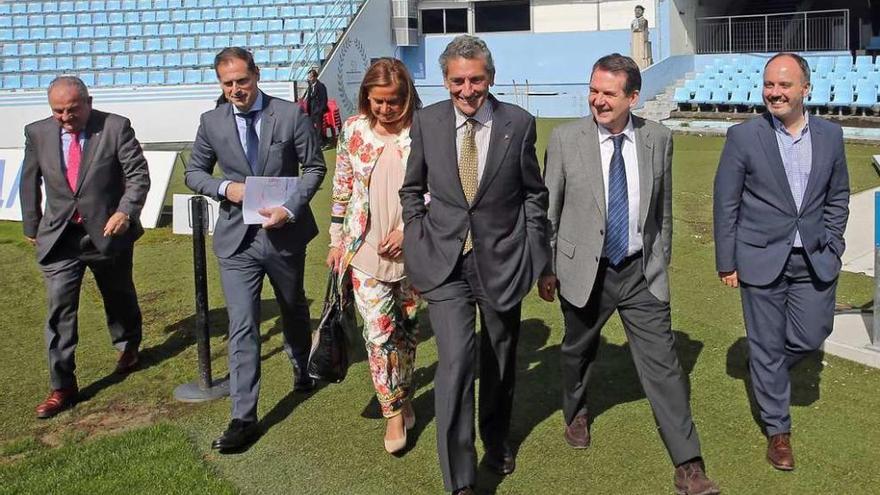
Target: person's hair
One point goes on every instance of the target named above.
(467, 47)
(801, 61)
(221, 100)
(313, 72)
(640, 7)
(72, 81)
(386, 72)
(231, 53)
(618, 63)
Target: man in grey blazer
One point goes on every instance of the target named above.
(255, 134)
(610, 182)
(479, 242)
(96, 181)
(781, 205)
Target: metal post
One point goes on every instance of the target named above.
(805, 32)
(766, 33)
(204, 388)
(730, 35)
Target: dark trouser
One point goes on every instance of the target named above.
(452, 308)
(242, 278)
(63, 271)
(318, 123)
(785, 321)
(647, 323)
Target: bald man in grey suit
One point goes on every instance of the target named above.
(610, 182)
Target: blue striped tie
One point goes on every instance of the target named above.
(253, 142)
(617, 238)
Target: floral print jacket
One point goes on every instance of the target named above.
(356, 155)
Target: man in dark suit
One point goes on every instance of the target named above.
(316, 103)
(610, 182)
(96, 181)
(781, 206)
(257, 135)
(479, 242)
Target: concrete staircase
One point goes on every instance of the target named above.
(659, 107)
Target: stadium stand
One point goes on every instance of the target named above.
(159, 42)
(839, 84)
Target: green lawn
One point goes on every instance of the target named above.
(129, 436)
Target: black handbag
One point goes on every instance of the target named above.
(328, 360)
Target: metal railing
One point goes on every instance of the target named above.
(326, 33)
(815, 30)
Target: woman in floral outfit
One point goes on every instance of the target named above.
(366, 235)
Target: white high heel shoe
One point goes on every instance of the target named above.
(398, 444)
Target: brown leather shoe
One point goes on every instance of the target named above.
(690, 479)
(779, 452)
(127, 361)
(577, 434)
(500, 460)
(57, 401)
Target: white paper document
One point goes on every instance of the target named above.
(265, 192)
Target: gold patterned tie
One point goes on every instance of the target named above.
(467, 171)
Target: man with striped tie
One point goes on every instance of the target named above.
(610, 182)
(96, 182)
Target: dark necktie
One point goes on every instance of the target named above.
(467, 171)
(252, 141)
(617, 238)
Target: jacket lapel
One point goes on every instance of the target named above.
(767, 138)
(234, 142)
(267, 127)
(818, 160)
(591, 157)
(645, 156)
(92, 143)
(499, 142)
(446, 135)
(55, 168)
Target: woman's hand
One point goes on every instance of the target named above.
(334, 258)
(392, 245)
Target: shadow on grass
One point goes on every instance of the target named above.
(805, 377)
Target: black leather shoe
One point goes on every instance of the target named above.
(500, 460)
(304, 383)
(464, 491)
(238, 434)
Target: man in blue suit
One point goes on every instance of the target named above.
(781, 206)
(255, 134)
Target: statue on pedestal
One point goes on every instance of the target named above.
(641, 45)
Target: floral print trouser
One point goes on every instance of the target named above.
(390, 327)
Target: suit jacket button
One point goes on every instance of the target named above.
(601, 232)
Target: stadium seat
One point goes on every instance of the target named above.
(135, 30)
(166, 29)
(261, 56)
(268, 74)
(151, 30)
(242, 26)
(275, 25)
(208, 76)
(138, 60)
(153, 45)
(11, 65)
(192, 76)
(238, 40)
(866, 95)
(88, 78)
(702, 96)
(105, 79)
(280, 55)
(81, 47)
(11, 82)
(193, 15)
(29, 64)
(257, 40)
(842, 98)
(48, 63)
(196, 28)
(30, 81)
(209, 15)
(259, 26)
(169, 44)
(190, 59)
(10, 50)
(212, 27)
(121, 61)
(132, 17)
(64, 63)
(206, 58)
(283, 74)
(221, 41)
(864, 61)
(682, 95)
(116, 46)
(118, 31)
(26, 49)
(163, 16)
(135, 45)
(103, 62)
(843, 63)
(123, 78)
(756, 98)
(174, 77)
(63, 48)
(46, 48)
(6, 34)
(156, 77)
(84, 62)
(87, 32)
(139, 78)
(68, 32)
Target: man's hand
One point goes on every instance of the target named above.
(334, 258)
(235, 192)
(391, 246)
(116, 225)
(547, 287)
(276, 216)
(729, 278)
(31, 240)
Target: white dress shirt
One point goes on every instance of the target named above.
(481, 135)
(631, 164)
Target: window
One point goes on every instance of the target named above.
(511, 15)
(439, 21)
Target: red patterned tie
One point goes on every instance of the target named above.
(74, 156)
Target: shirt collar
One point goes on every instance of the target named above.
(780, 127)
(483, 115)
(628, 131)
(256, 107)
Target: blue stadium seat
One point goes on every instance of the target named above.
(138, 60)
(115, 18)
(257, 40)
(135, 30)
(192, 76)
(275, 39)
(740, 96)
(63, 48)
(84, 62)
(139, 78)
(270, 12)
(65, 7)
(156, 77)
(51, 20)
(163, 16)
(720, 96)
(103, 62)
(154, 44)
(206, 58)
(682, 95)
(221, 41)
(294, 38)
(240, 13)
(30, 81)
(702, 95)
(196, 28)
(190, 4)
(132, 17)
(26, 49)
(48, 63)
(81, 6)
(283, 74)
(209, 15)
(5, 8)
(11, 82)
(20, 21)
(5, 21)
(64, 63)
(843, 63)
(173, 60)
(81, 47)
(842, 97)
(151, 29)
(105, 79)
(206, 3)
(118, 31)
(268, 74)
(148, 16)
(46, 48)
(83, 19)
(867, 97)
(275, 25)
(261, 56)
(6, 34)
(97, 5)
(144, 4)
(11, 65)
(20, 34)
(121, 61)
(29, 64)
(288, 11)
(166, 29)
(212, 27)
(193, 15)
(169, 44)
(224, 13)
(227, 26)
(178, 16)
(174, 77)
(302, 10)
(259, 26)
(129, 5)
(10, 50)
(205, 42)
(88, 78)
(190, 59)
(280, 55)
(135, 45)
(116, 46)
(123, 79)
(209, 76)
(45, 79)
(756, 98)
(87, 32)
(35, 20)
(34, 7)
(113, 5)
(242, 26)
(255, 12)
(155, 60)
